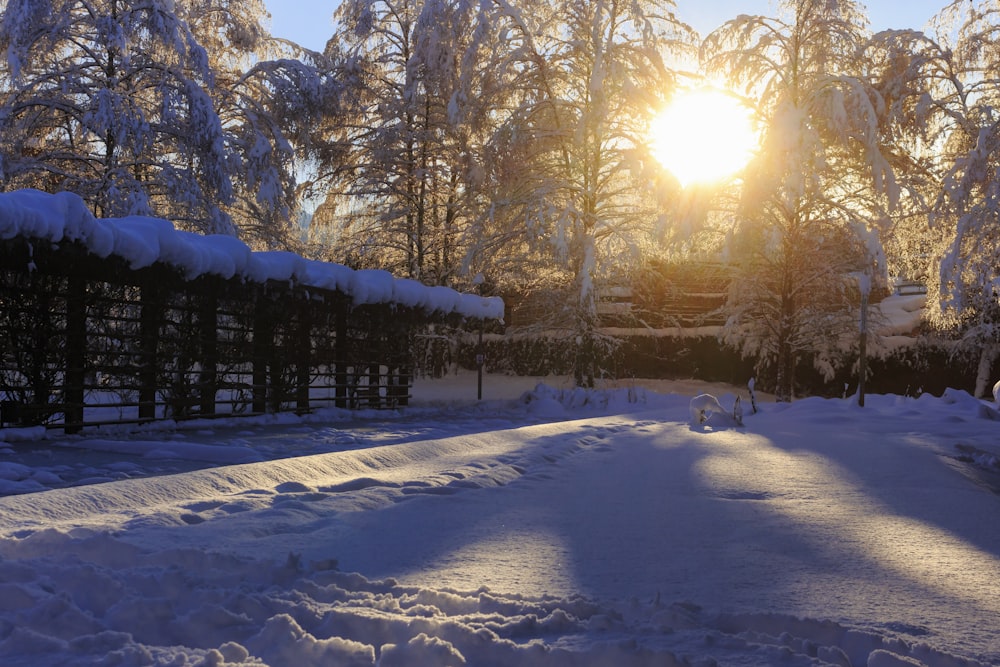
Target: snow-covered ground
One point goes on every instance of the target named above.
(540, 526)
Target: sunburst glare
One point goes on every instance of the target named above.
(703, 136)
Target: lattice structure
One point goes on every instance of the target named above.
(691, 294)
(86, 341)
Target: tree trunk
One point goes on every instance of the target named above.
(983, 375)
(585, 364)
(584, 367)
(785, 380)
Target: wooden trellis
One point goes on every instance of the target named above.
(89, 341)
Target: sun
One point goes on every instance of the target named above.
(704, 136)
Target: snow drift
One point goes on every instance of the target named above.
(142, 241)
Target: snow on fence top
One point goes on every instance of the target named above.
(141, 241)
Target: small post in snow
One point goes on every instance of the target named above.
(480, 361)
(863, 343)
(479, 281)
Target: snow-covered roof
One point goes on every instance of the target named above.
(142, 241)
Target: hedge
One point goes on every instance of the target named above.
(926, 366)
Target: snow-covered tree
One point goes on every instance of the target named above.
(583, 78)
(275, 113)
(904, 66)
(949, 107)
(395, 199)
(97, 93)
(506, 237)
(155, 107)
(261, 91)
(811, 198)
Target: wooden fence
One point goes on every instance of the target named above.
(86, 340)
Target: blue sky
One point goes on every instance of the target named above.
(309, 22)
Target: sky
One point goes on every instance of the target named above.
(310, 23)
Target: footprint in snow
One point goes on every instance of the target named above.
(293, 487)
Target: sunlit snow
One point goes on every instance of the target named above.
(141, 241)
(541, 526)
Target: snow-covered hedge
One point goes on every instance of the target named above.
(142, 241)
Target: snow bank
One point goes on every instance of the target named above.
(142, 241)
(902, 314)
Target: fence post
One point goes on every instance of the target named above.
(340, 354)
(263, 340)
(150, 304)
(403, 353)
(403, 385)
(76, 353)
(303, 357)
(374, 351)
(208, 330)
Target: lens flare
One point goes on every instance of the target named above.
(704, 136)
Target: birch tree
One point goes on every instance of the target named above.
(905, 67)
(806, 218)
(589, 75)
(275, 112)
(395, 199)
(95, 91)
(151, 107)
(958, 80)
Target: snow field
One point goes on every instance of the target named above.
(559, 528)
